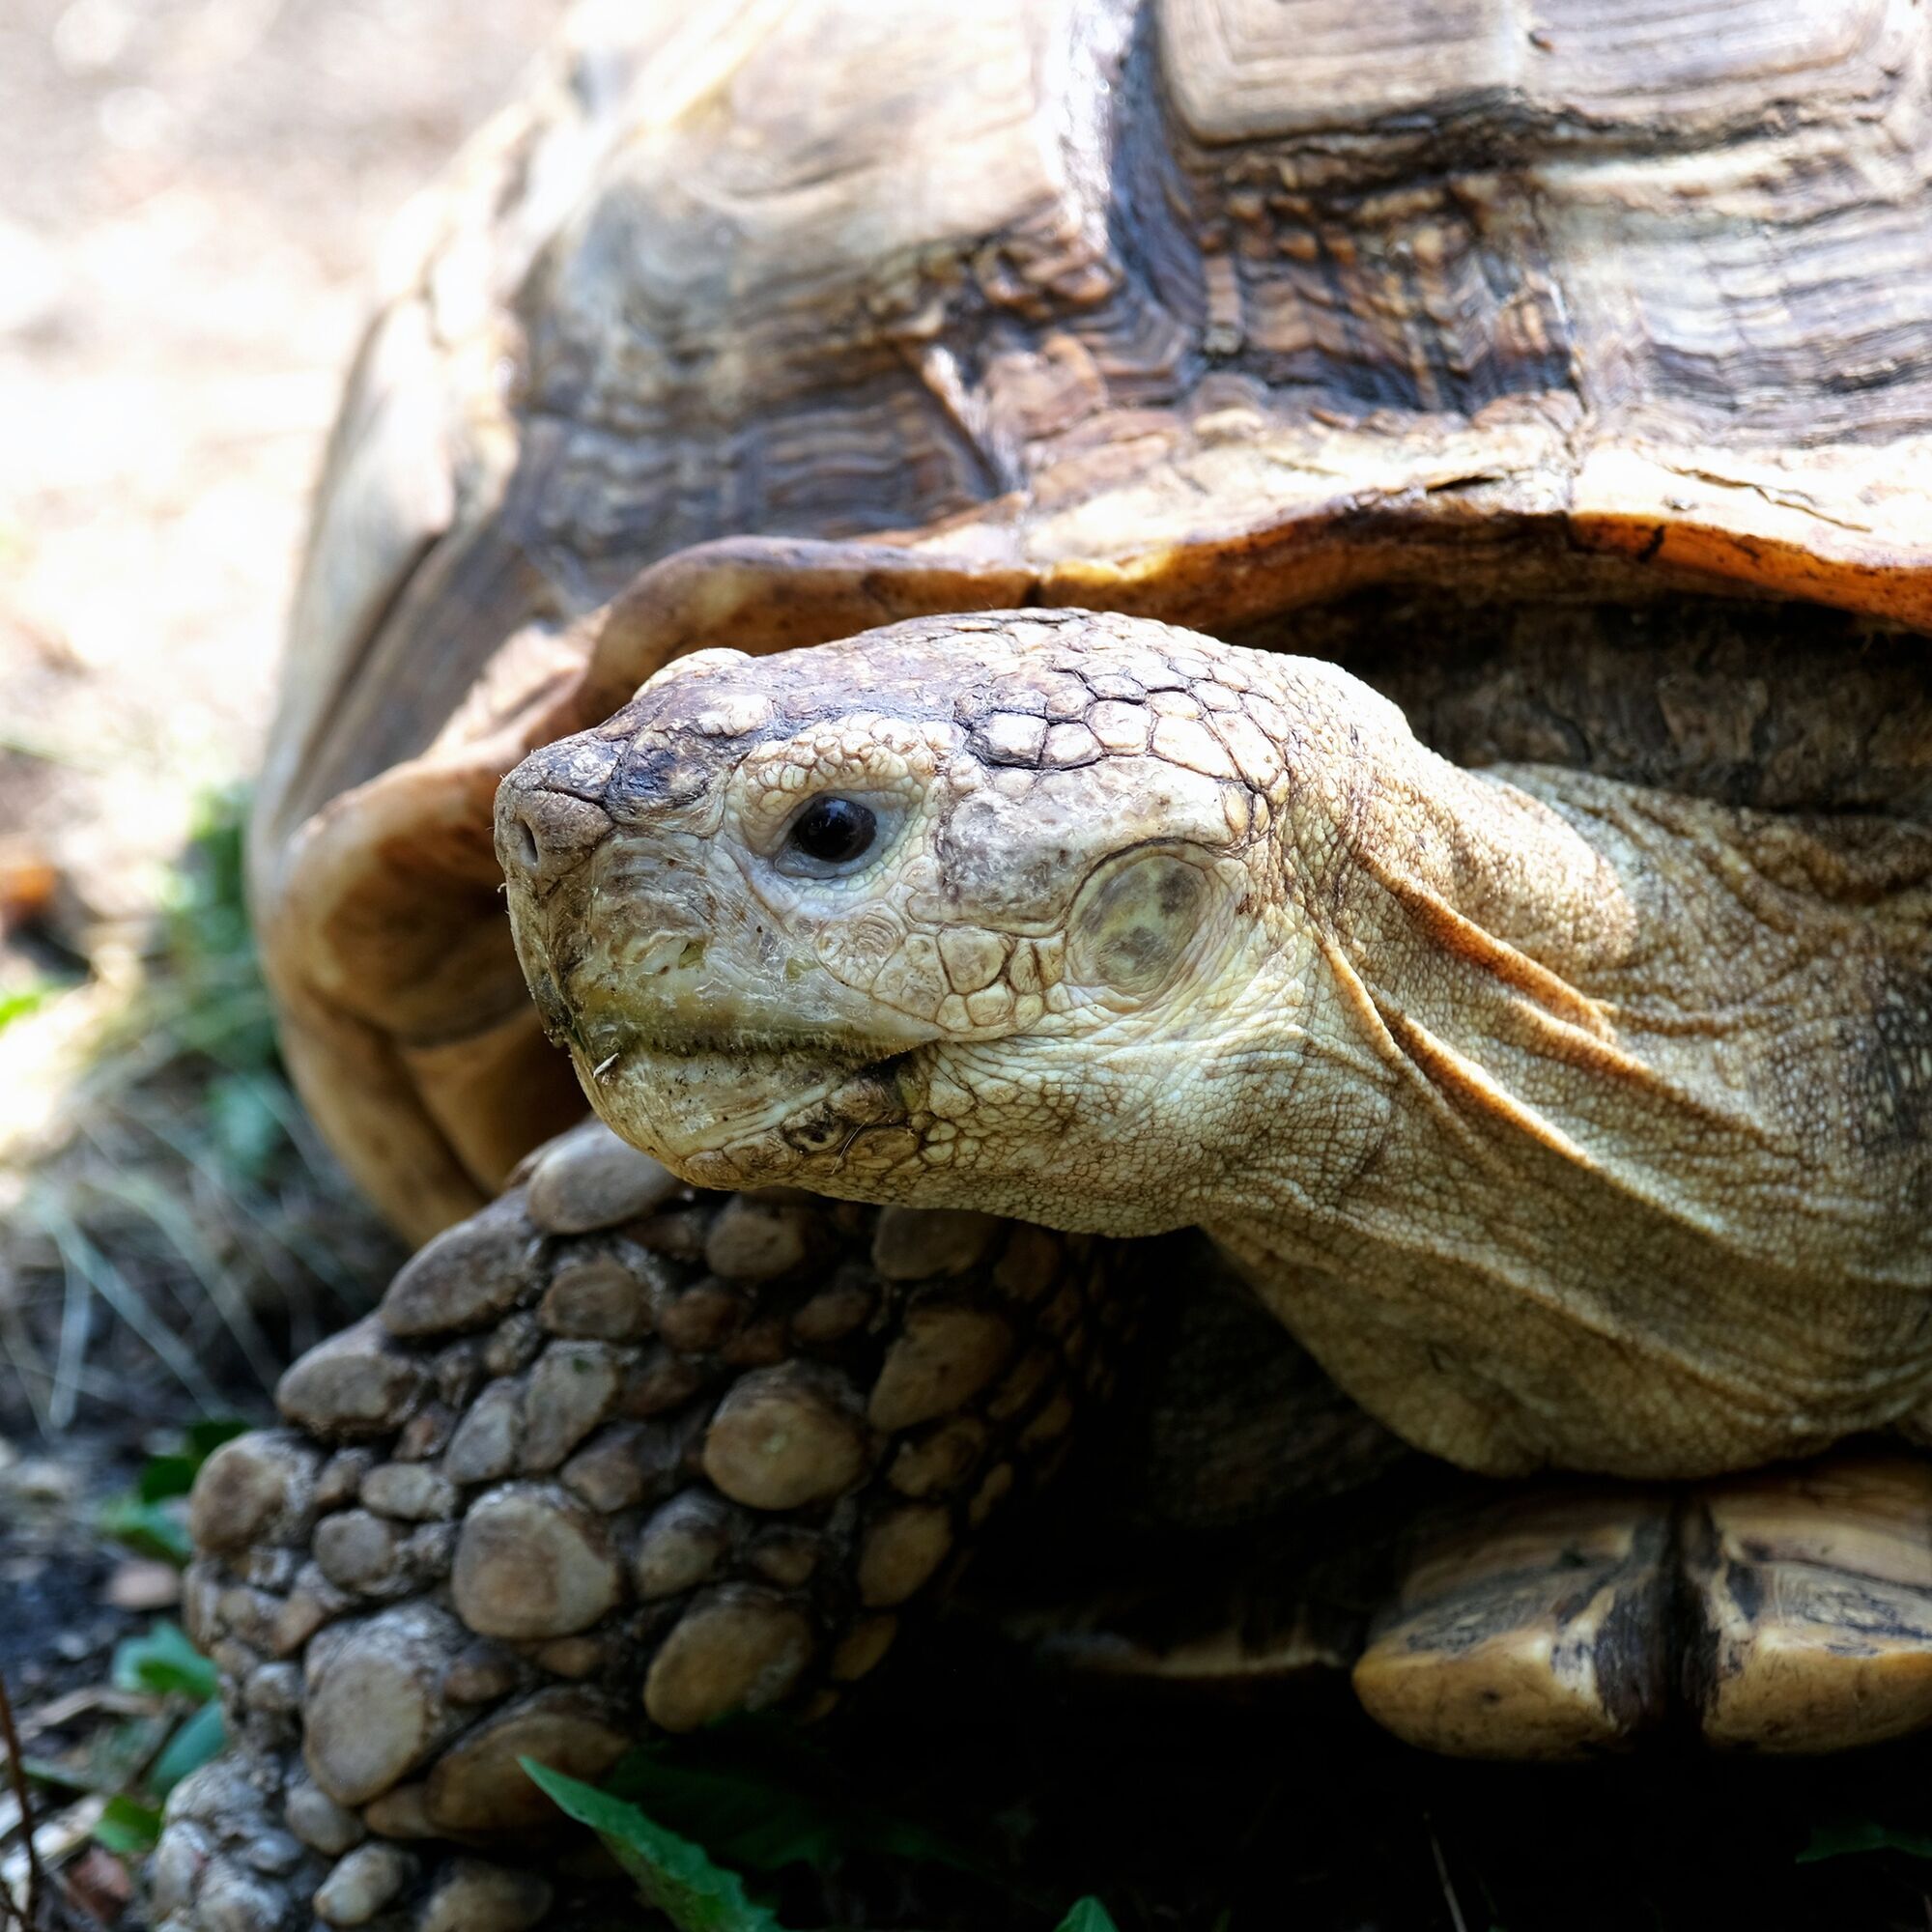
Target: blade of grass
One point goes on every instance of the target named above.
(224, 1293)
(17, 1344)
(320, 1263)
(79, 1255)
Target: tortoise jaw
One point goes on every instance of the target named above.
(730, 1113)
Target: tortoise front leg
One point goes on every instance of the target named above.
(610, 1455)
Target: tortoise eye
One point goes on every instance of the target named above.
(834, 831)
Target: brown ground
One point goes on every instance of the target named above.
(195, 194)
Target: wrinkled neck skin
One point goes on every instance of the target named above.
(1565, 1122)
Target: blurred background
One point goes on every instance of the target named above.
(193, 196)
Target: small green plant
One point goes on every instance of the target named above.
(672, 1875)
(769, 1824)
(1087, 1915)
(143, 1758)
(151, 1519)
(758, 1795)
(135, 1763)
(1847, 1837)
(186, 1193)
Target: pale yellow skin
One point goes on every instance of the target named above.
(1566, 1122)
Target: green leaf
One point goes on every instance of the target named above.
(147, 1518)
(128, 1827)
(190, 1748)
(201, 1440)
(761, 1802)
(673, 1875)
(1088, 1914)
(166, 1477)
(1849, 1836)
(148, 1529)
(162, 1660)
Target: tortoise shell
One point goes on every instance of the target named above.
(764, 325)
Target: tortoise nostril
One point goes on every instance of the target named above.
(528, 851)
(543, 835)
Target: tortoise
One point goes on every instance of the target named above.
(1210, 732)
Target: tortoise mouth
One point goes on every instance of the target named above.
(725, 1109)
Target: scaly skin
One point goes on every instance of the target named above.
(1565, 1121)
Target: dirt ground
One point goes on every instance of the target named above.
(195, 194)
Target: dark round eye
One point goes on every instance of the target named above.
(834, 831)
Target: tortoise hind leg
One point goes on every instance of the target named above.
(1789, 1610)
(610, 1456)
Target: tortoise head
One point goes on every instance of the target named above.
(934, 914)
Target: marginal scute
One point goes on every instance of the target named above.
(1814, 1590)
(1533, 1628)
